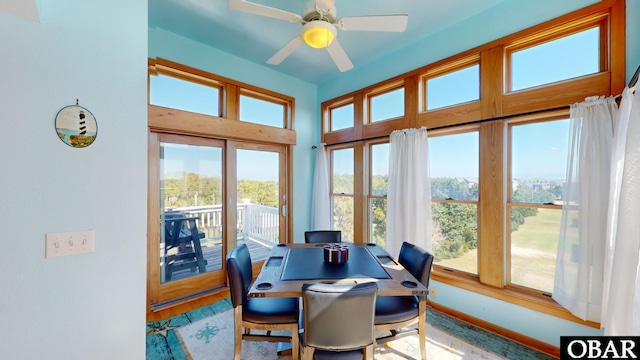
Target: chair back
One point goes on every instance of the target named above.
(240, 274)
(417, 261)
(338, 317)
(172, 229)
(322, 236)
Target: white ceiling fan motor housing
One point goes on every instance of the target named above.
(312, 13)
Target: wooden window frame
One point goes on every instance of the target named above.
(495, 104)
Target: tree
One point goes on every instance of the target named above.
(379, 209)
(260, 192)
(455, 229)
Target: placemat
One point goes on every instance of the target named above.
(309, 264)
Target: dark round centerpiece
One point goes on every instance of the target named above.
(336, 253)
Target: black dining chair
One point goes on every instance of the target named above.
(394, 314)
(338, 320)
(265, 314)
(322, 236)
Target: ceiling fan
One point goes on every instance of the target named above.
(319, 27)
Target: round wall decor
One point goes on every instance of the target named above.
(76, 126)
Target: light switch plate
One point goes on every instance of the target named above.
(69, 243)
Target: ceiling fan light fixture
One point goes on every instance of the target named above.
(318, 34)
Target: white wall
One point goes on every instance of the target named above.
(87, 306)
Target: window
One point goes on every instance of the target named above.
(497, 144)
(452, 88)
(341, 117)
(556, 60)
(378, 180)
(185, 95)
(538, 165)
(209, 174)
(454, 189)
(387, 105)
(263, 112)
(259, 189)
(342, 189)
(191, 185)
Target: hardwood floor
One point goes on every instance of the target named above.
(213, 255)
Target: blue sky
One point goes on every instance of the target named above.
(538, 150)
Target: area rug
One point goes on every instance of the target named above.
(212, 338)
(177, 338)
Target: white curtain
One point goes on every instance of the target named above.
(320, 202)
(580, 261)
(409, 190)
(621, 298)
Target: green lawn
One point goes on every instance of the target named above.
(533, 252)
(534, 247)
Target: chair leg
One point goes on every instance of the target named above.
(307, 353)
(368, 352)
(422, 328)
(237, 332)
(295, 343)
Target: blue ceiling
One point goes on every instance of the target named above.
(256, 38)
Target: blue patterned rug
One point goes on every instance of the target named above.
(171, 339)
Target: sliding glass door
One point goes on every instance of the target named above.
(187, 215)
(207, 196)
(261, 201)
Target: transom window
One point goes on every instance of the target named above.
(564, 58)
(261, 111)
(341, 117)
(453, 88)
(172, 92)
(387, 105)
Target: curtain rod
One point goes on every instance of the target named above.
(470, 122)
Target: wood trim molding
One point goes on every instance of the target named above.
(491, 208)
(184, 122)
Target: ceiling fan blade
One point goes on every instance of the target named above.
(258, 9)
(390, 23)
(339, 56)
(285, 51)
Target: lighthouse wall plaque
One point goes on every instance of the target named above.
(76, 126)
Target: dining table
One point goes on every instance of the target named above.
(289, 266)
